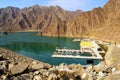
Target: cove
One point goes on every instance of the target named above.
(40, 47)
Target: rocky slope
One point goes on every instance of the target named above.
(7, 16)
(110, 30)
(17, 67)
(35, 18)
(102, 23)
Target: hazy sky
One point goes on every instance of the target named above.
(71, 5)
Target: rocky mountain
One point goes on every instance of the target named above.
(7, 16)
(102, 23)
(111, 26)
(45, 19)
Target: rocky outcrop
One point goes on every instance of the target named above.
(112, 57)
(17, 67)
(113, 77)
(110, 30)
(102, 23)
(28, 69)
(7, 16)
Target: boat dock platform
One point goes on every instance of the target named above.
(77, 57)
(68, 50)
(78, 54)
(88, 50)
(77, 39)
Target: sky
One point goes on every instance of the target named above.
(71, 5)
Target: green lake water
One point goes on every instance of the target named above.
(40, 47)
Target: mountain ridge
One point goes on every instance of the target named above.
(101, 23)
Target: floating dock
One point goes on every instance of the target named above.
(77, 39)
(71, 53)
(88, 50)
(75, 57)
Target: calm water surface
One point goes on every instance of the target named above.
(39, 47)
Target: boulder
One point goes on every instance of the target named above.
(75, 67)
(17, 78)
(89, 68)
(37, 77)
(118, 67)
(61, 66)
(85, 75)
(53, 70)
(113, 77)
(10, 66)
(3, 66)
(1, 56)
(22, 77)
(37, 66)
(52, 77)
(3, 77)
(36, 73)
(100, 67)
(18, 68)
(113, 69)
(40, 65)
(100, 75)
(112, 57)
(27, 76)
(66, 74)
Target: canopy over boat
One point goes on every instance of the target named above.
(86, 44)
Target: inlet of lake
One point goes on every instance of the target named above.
(40, 47)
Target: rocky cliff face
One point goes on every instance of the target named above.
(102, 23)
(7, 17)
(111, 26)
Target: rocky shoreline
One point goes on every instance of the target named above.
(17, 67)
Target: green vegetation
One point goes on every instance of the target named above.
(104, 47)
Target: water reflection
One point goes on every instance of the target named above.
(40, 48)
